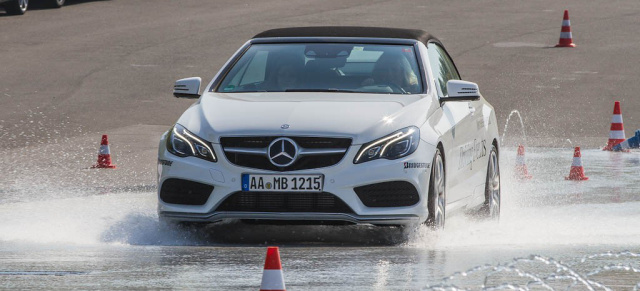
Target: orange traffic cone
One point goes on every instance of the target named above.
(104, 155)
(272, 277)
(577, 171)
(616, 132)
(521, 171)
(566, 39)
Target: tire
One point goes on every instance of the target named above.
(56, 3)
(17, 7)
(492, 196)
(437, 193)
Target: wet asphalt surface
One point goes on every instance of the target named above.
(552, 233)
(93, 67)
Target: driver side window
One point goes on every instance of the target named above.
(442, 68)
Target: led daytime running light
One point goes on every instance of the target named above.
(385, 144)
(401, 137)
(186, 140)
(202, 143)
(199, 147)
(374, 145)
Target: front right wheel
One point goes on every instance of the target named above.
(437, 197)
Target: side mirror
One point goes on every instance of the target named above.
(462, 91)
(187, 88)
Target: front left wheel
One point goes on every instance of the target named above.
(492, 196)
(437, 197)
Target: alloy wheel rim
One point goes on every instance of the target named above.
(494, 195)
(439, 198)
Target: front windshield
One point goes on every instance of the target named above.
(325, 67)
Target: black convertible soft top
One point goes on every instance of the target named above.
(348, 31)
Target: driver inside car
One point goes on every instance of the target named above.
(394, 71)
(285, 74)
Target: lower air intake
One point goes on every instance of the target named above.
(388, 194)
(178, 191)
(284, 202)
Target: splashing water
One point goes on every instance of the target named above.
(547, 216)
(525, 273)
(506, 126)
(570, 142)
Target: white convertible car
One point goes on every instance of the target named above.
(332, 125)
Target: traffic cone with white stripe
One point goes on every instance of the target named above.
(566, 39)
(577, 171)
(272, 277)
(616, 133)
(521, 167)
(104, 155)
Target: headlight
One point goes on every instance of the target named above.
(394, 146)
(183, 143)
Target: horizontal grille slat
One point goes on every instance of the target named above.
(245, 158)
(284, 202)
(246, 142)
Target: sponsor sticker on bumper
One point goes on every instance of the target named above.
(282, 183)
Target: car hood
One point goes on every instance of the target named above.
(362, 117)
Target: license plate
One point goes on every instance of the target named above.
(282, 183)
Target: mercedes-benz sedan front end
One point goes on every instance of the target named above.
(309, 125)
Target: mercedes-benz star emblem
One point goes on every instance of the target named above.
(283, 152)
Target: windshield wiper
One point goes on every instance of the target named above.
(320, 90)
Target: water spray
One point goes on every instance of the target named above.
(506, 126)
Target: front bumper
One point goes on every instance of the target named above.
(397, 219)
(339, 180)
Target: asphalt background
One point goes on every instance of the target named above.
(107, 67)
(97, 67)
